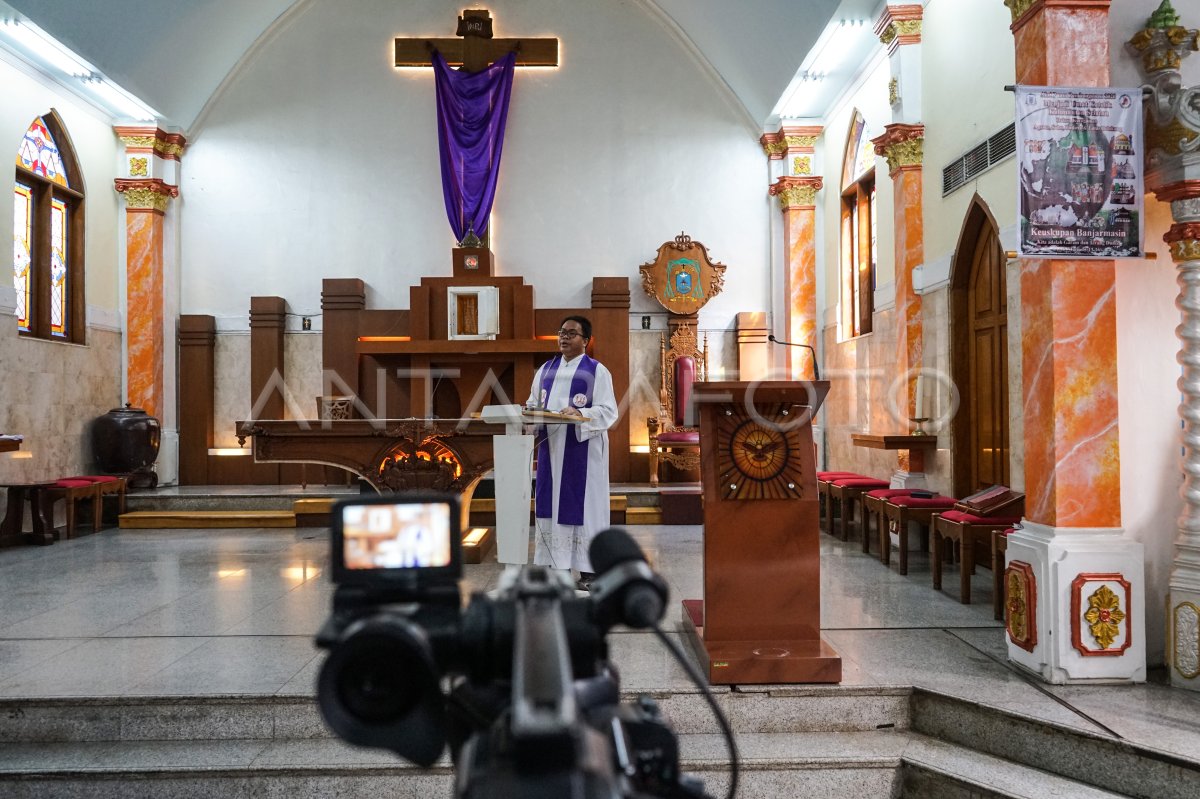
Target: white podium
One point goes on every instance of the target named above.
(512, 459)
(512, 462)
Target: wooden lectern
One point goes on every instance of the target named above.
(760, 618)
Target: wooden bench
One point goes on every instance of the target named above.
(107, 486)
(847, 492)
(12, 529)
(872, 503)
(901, 510)
(823, 506)
(969, 530)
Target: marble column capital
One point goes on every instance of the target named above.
(1184, 240)
(151, 139)
(796, 191)
(802, 139)
(899, 25)
(148, 194)
(1163, 49)
(902, 144)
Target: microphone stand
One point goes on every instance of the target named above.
(816, 374)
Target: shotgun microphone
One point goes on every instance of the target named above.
(625, 589)
(816, 375)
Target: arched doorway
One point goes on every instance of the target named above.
(979, 354)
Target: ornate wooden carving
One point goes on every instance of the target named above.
(683, 278)
(441, 454)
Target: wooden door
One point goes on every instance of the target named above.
(986, 394)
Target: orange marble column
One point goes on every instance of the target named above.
(144, 290)
(151, 168)
(797, 200)
(903, 145)
(1068, 308)
(793, 149)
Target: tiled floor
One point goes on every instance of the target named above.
(165, 612)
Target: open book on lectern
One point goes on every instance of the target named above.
(516, 414)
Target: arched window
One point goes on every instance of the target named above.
(858, 231)
(48, 234)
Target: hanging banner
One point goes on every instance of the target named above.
(1080, 168)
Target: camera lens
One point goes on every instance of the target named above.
(373, 684)
(379, 687)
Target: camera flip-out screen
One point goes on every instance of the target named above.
(389, 537)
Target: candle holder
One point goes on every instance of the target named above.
(917, 431)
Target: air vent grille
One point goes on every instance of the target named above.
(979, 159)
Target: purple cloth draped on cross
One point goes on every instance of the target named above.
(572, 484)
(472, 109)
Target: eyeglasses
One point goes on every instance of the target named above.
(569, 334)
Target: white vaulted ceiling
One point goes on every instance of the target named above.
(175, 54)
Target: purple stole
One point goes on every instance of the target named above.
(573, 476)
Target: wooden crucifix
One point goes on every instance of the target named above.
(474, 51)
(476, 48)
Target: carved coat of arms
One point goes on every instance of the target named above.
(683, 278)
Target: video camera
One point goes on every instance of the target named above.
(518, 686)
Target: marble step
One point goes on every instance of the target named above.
(1102, 761)
(856, 764)
(784, 709)
(259, 500)
(934, 769)
(311, 513)
(284, 498)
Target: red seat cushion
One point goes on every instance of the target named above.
(860, 482)
(888, 493)
(679, 437)
(94, 478)
(834, 475)
(938, 501)
(72, 483)
(960, 517)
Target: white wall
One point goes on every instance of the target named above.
(967, 60)
(320, 160)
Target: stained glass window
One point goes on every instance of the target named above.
(58, 267)
(48, 233)
(39, 153)
(22, 235)
(858, 231)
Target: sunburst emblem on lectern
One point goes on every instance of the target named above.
(758, 454)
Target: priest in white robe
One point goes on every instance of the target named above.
(571, 501)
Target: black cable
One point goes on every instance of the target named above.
(702, 684)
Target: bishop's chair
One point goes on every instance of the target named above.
(672, 439)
